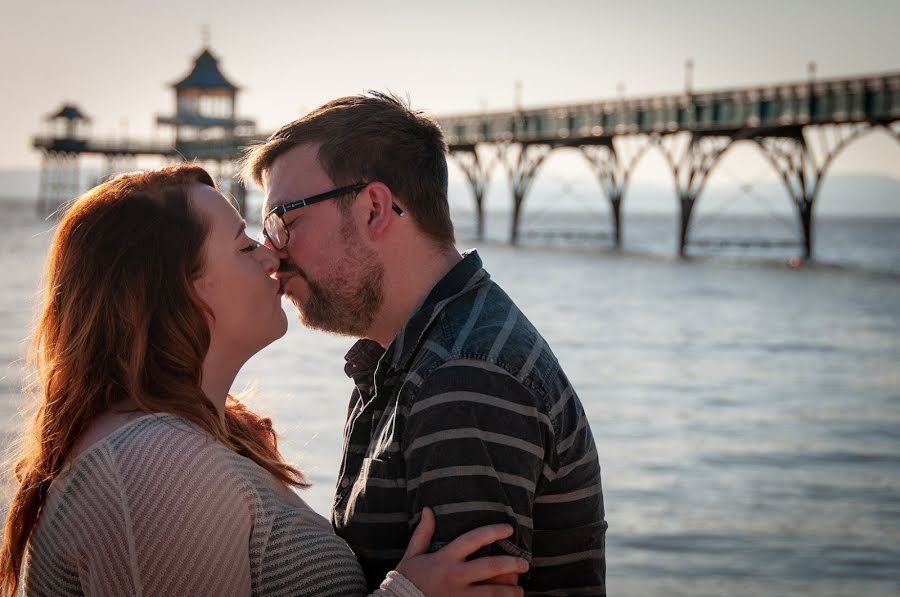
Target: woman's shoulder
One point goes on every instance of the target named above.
(180, 447)
(158, 430)
(134, 431)
(143, 471)
(162, 453)
(145, 444)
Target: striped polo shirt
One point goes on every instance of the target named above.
(468, 412)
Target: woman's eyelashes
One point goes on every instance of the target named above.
(251, 247)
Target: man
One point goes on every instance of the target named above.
(459, 403)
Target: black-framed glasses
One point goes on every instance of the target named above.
(278, 234)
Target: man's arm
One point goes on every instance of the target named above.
(475, 445)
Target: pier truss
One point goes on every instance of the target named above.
(60, 179)
(799, 127)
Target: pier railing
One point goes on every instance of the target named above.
(873, 98)
(228, 148)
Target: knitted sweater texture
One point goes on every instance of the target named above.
(159, 507)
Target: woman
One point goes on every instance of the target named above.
(142, 474)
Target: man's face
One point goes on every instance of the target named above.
(333, 278)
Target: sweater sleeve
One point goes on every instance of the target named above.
(397, 585)
(301, 556)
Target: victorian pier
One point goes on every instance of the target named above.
(799, 127)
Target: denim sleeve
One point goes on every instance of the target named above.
(475, 443)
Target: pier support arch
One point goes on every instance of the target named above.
(521, 162)
(476, 162)
(691, 158)
(801, 157)
(613, 160)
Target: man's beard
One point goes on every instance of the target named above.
(347, 299)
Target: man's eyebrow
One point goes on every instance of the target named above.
(241, 229)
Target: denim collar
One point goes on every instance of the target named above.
(465, 276)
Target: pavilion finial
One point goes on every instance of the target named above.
(204, 34)
(688, 75)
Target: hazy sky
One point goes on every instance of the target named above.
(116, 59)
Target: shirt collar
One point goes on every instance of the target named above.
(462, 278)
(362, 359)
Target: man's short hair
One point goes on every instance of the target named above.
(367, 138)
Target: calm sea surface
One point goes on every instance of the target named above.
(747, 414)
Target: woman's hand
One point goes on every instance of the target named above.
(446, 571)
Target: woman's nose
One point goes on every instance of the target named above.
(269, 259)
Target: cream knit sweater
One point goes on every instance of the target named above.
(159, 507)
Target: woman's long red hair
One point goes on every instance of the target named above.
(121, 320)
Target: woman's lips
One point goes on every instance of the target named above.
(285, 274)
(283, 278)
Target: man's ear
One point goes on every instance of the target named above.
(378, 200)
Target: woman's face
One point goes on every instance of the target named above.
(236, 280)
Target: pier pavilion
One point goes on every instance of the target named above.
(205, 128)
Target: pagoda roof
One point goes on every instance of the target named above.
(69, 112)
(205, 75)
